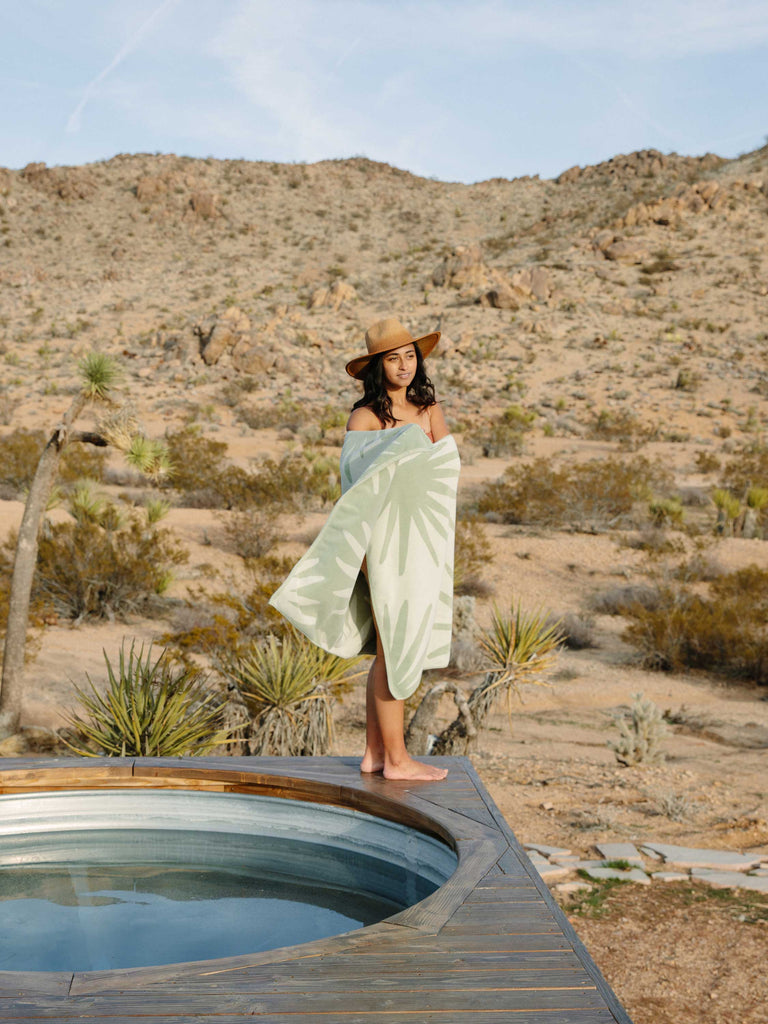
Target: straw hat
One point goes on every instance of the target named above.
(384, 336)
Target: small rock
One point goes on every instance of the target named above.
(569, 887)
(730, 880)
(633, 875)
(670, 876)
(717, 860)
(620, 851)
(548, 851)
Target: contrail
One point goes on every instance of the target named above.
(73, 124)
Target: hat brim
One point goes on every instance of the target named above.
(357, 367)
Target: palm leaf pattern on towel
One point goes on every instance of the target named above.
(397, 510)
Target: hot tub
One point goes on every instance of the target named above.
(106, 878)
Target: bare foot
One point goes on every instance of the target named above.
(371, 763)
(413, 771)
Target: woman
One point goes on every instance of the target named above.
(396, 391)
(379, 576)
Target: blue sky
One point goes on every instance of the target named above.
(457, 89)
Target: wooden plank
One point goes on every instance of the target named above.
(15, 984)
(332, 972)
(305, 1015)
(432, 913)
(24, 775)
(356, 1000)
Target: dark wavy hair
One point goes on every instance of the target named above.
(420, 390)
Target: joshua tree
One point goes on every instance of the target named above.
(99, 374)
(728, 508)
(757, 500)
(518, 648)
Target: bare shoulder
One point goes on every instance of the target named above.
(363, 419)
(437, 422)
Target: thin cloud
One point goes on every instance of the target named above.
(75, 118)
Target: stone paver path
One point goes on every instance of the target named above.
(660, 862)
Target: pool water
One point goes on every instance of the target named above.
(101, 898)
(81, 917)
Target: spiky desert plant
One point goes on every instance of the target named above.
(728, 507)
(665, 510)
(156, 509)
(99, 373)
(149, 709)
(518, 647)
(86, 503)
(287, 685)
(640, 735)
(756, 501)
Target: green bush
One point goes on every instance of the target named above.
(223, 624)
(725, 632)
(620, 425)
(504, 435)
(598, 493)
(85, 570)
(472, 552)
(150, 709)
(206, 480)
(20, 453)
(747, 469)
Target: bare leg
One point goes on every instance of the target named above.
(373, 758)
(385, 746)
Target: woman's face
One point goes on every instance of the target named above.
(400, 366)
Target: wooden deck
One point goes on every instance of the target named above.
(489, 946)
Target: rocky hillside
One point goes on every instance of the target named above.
(639, 283)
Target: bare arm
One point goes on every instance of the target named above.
(437, 422)
(363, 419)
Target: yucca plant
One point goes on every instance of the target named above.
(287, 686)
(757, 500)
(150, 709)
(728, 508)
(665, 510)
(518, 647)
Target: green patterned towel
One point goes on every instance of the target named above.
(398, 509)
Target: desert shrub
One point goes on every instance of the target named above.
(654, 541)
(620, 425)
(84, 569)
(286, 413)
(706, 462)
(619, 600)
(725, 632)
(20, 453)
(701, 567)
(149, 709)
(252, 533)
(82, 460)
(503, 436)
(577, 632)
(472, 552)
(640, 736)
(196, 460)
(206, 480)
(223, 624)
(749, 468)
(600, 492)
